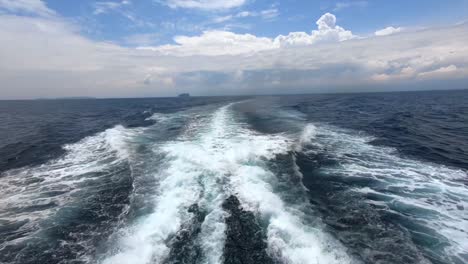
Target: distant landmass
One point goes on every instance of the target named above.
(68, 98)
(184, 95)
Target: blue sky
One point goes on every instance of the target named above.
(119, 20)
(130, 48)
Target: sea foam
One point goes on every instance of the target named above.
(223, 157)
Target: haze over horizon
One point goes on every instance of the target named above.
(211, 47)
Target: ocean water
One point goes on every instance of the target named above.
(351, 178)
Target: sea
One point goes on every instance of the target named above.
(329, 178)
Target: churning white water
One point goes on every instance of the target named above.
(223, 157)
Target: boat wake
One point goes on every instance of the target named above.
(223, 160)
(204, 186)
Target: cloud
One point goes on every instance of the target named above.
(47, 56)
(157, 78)
(31, 7)
(217, 42)
(205, 4)
(327, 31)
(120, 8)
(142, 39)
(267, 14)
(214, 43)
(449, 71)
(222, 19)
(343, 5)
(388, 31)
(107, 6)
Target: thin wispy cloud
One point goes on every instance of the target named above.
(122, 8)
(388, 31)
(32, 7)
(344, 5)
(108, 6)
(267, 14)
(204, 4)
(143, 39)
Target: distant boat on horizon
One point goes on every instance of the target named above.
(184, 95)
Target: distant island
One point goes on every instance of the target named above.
(68, 98)
(184, 95)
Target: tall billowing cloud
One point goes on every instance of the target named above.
(327, 31)
(216, 42)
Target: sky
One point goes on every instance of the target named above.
(142, 48)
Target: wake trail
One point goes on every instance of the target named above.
(219, 157)
(428, 198)
(44, 207)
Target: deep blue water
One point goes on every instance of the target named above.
(349, 178)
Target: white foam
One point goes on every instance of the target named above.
(306, 136)
(159, 117)
(223, 158)
(241, 153)
(187, 177)
(436, 191)
(29, 186)
(145, 241)
(290, 239)
(118, 138)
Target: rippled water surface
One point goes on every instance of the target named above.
(362, 178)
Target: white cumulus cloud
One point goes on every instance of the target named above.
(388, 31)
(216, 42)
(327, 31)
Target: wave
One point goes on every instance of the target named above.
(33, 199)
(223, 158)
(166, 193)
(25, 187)
(429, 199)
(291, 239)
(182, 183)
